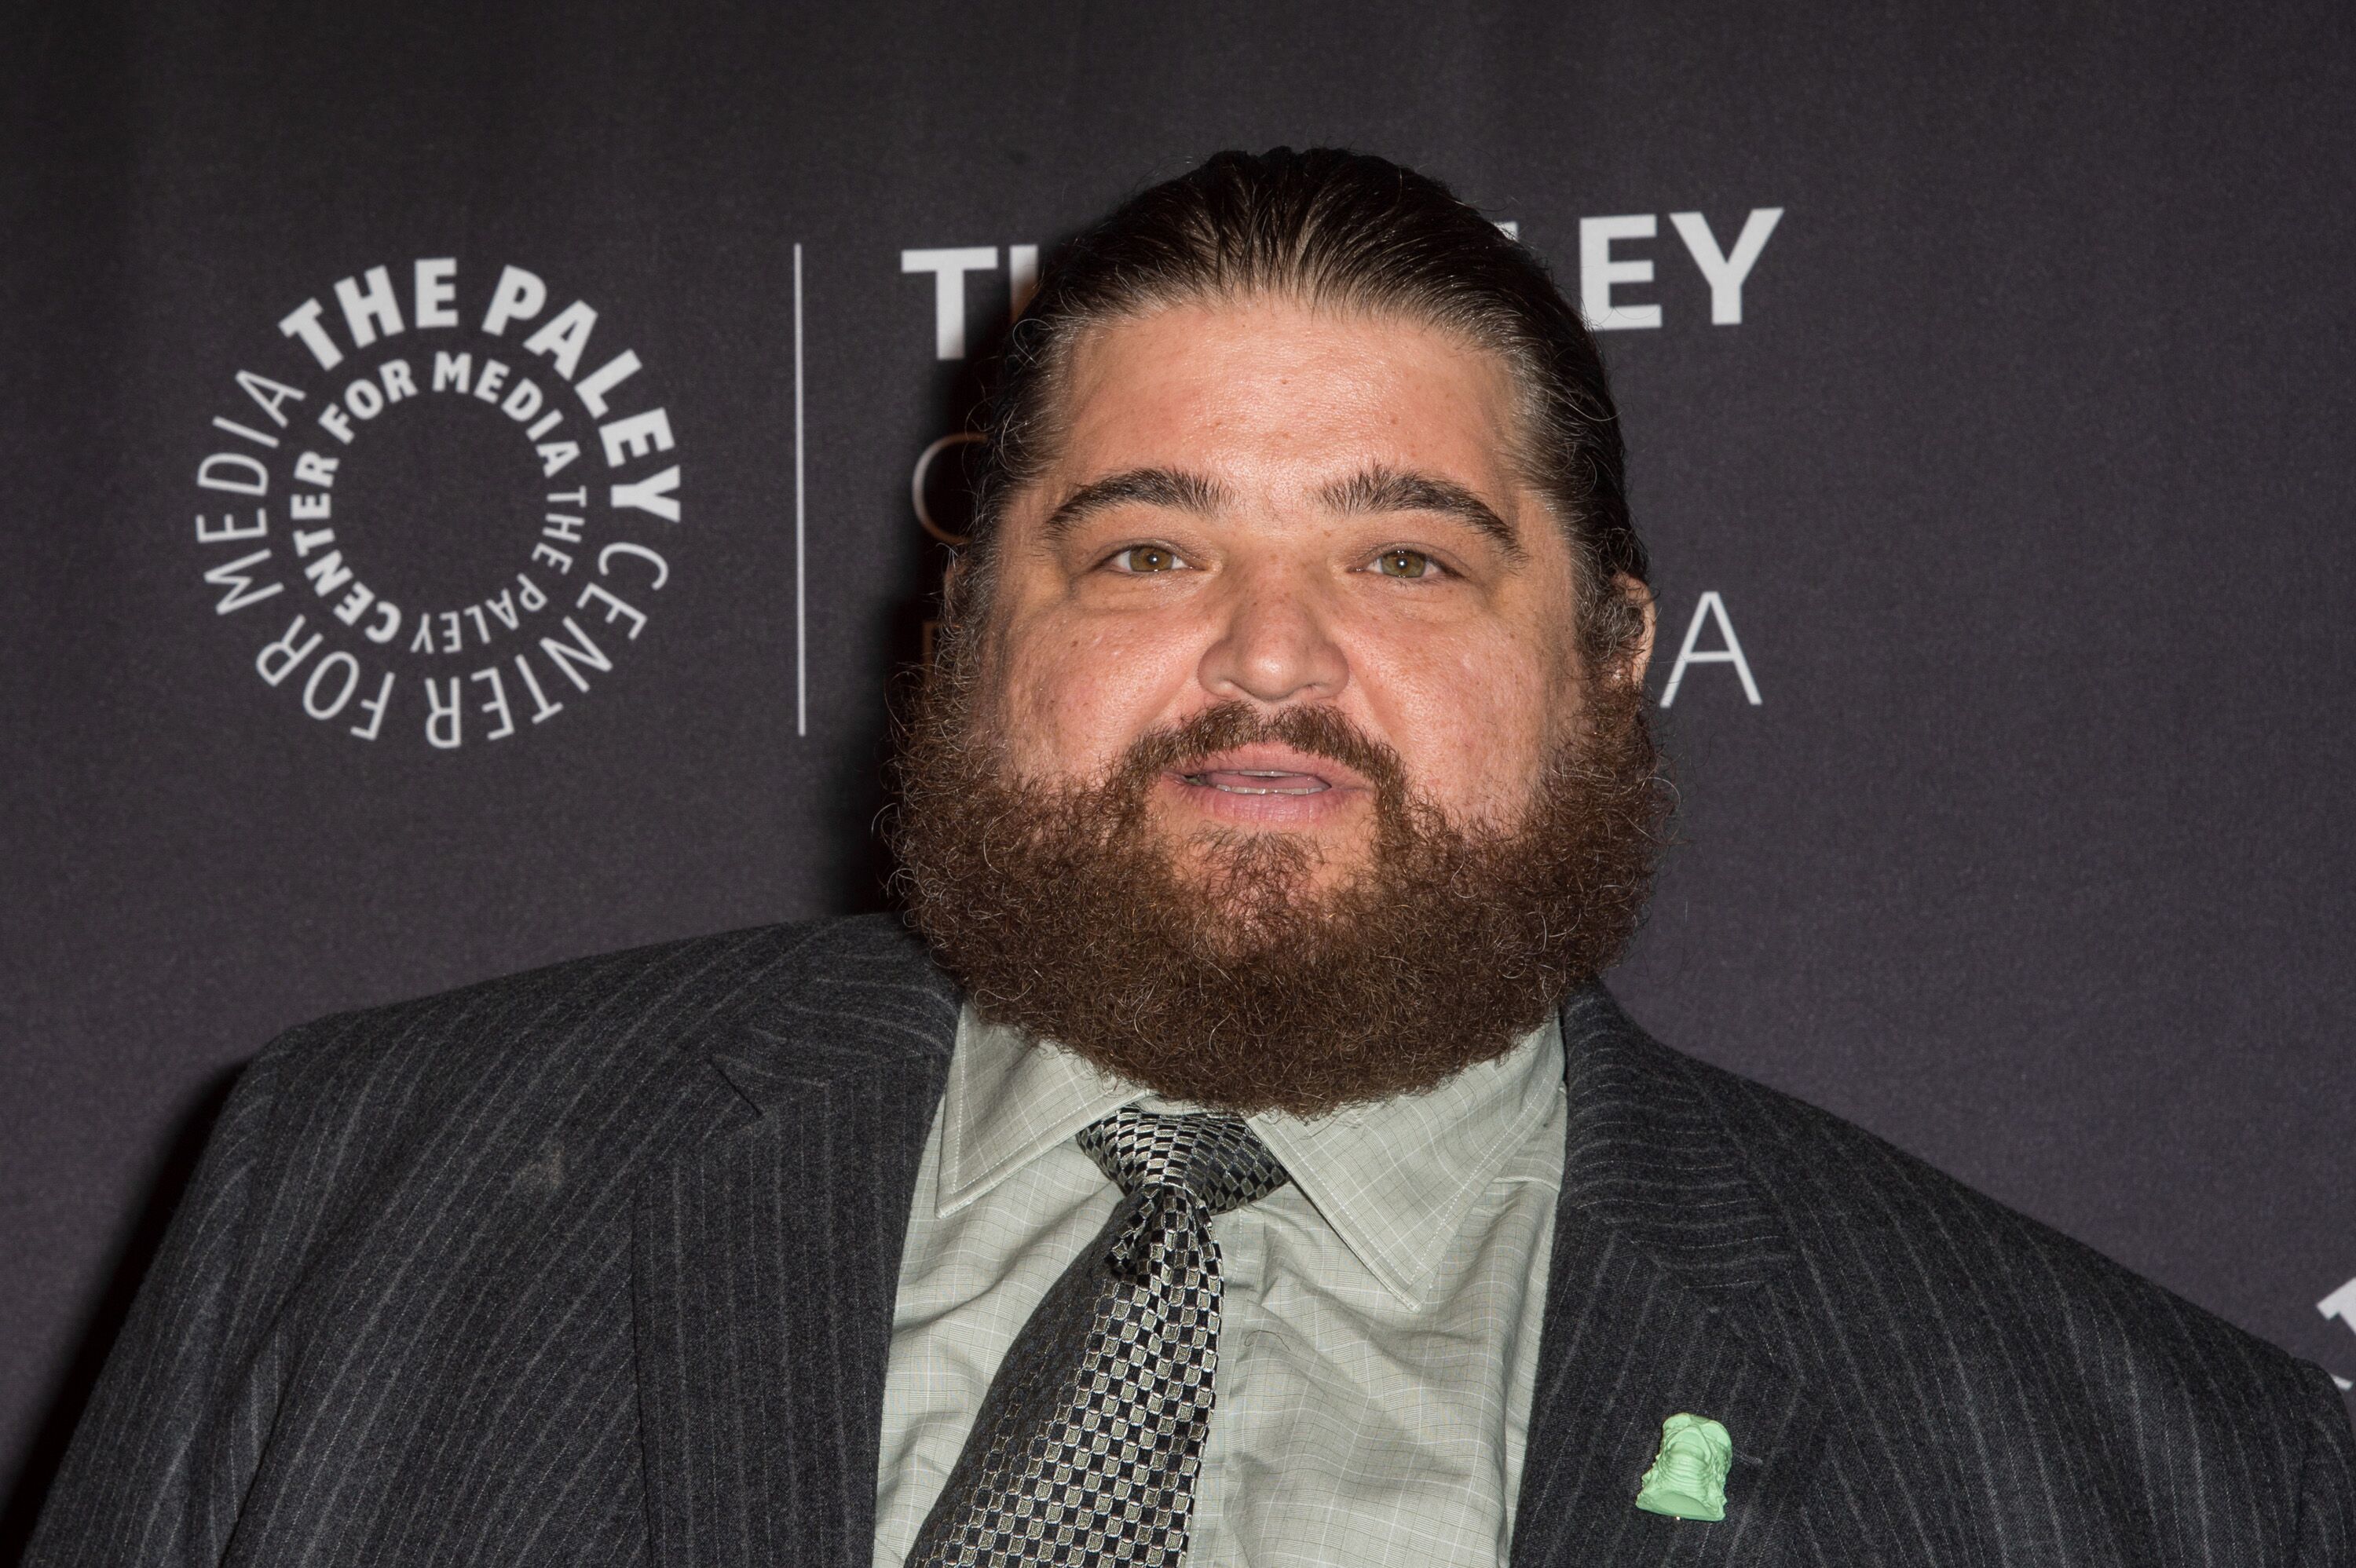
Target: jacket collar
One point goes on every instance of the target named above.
(766, 1252)
(1662, 1298)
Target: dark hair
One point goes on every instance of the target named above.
(1343, 229)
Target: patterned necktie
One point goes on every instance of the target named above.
(1087, 1445)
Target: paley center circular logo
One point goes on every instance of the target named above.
(440, 511)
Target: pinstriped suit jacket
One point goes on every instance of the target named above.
(597, 1266)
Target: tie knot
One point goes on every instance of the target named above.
(1211, 1153)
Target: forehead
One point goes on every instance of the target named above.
(1275, 390)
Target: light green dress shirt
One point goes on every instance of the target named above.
(1379, 1333)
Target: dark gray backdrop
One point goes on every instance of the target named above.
(2023, 480)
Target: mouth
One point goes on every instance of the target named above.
(1258, 781)
(1267, 786)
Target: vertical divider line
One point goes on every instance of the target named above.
(802, 624)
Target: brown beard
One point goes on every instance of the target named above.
(1217, 976)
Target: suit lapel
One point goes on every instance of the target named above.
(1658, 1301)
(767, 1257)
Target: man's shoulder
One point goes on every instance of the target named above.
(614, 1036)
(678, 982)
(1844, 1191)
(1896, 1273)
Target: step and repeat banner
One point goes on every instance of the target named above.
(472, 473)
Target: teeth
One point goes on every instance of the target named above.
(1315, 786)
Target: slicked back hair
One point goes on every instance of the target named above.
(1343, 230)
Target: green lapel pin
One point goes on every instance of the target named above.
(1688, 1479)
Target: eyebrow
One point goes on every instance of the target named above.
(1140, 486)
(1380, 489)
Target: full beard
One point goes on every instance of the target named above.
(1212, 968)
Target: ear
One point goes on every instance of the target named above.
(1640, 655)
(953, 582)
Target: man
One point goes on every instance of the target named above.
(1244, 1163)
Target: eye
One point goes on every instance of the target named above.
(1139, 559)
(1403, 562)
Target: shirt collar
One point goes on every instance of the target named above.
(1396, 1179)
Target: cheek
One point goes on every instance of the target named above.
(1472, 720)
(1072, 692)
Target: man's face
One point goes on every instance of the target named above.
(1267, 776)
(1262, 503)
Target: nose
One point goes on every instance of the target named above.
(1274, 646)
